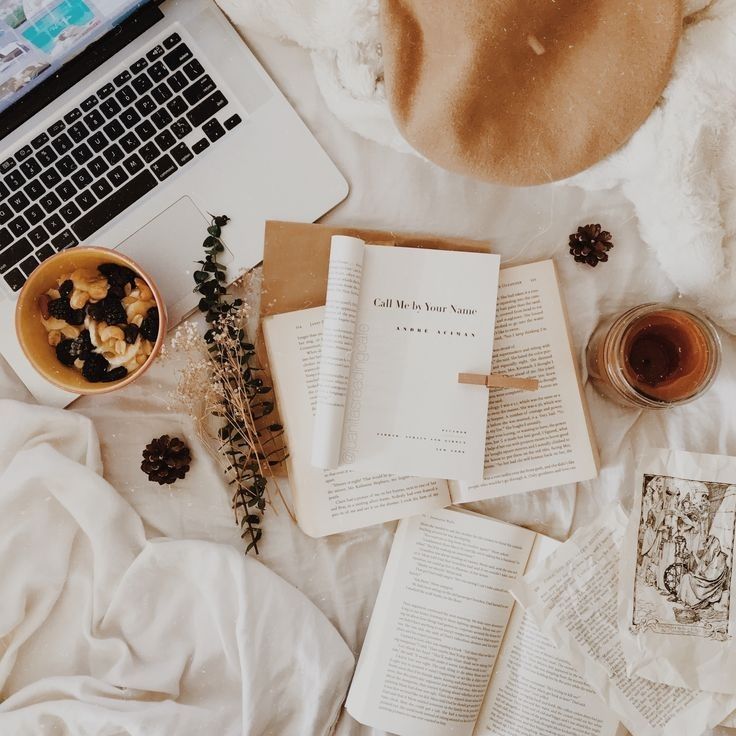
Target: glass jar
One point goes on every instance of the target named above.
(654, 356)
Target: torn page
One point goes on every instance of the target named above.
(573, 597)
(676, 607)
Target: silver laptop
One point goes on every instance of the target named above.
(123, 123)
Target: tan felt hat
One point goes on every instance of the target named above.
(525, 91)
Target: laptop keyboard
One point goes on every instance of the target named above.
(101, 157)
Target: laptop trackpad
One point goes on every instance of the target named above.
(168, 248)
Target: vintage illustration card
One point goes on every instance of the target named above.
(676, 607)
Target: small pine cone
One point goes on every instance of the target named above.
(590, 244)
(166, 459)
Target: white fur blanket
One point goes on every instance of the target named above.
(106, 633)
(679, 169)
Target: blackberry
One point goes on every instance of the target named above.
(66, 288)
(60, 309)
(115, 374)
(76, 317)
(65, 352)
(117, 275)
(150, 325)
(109, 310)
(96, 310)
(131, 333)
(82, 346)
(117, 291)
(95, 367)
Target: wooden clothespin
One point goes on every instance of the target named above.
(498, 380)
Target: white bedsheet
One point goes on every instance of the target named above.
(392, 190)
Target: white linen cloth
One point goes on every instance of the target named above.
(341, 574)
(106, 633)
(679, 169)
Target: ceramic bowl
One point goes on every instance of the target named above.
(32, 334)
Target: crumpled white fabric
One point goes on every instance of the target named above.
(105, 633)
(679, 169)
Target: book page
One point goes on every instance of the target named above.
(573, 597)
(424, 316)
(677, 611)
(330, 501)
(338, 336)
(534, 689)
(439, 619)
(542, 438)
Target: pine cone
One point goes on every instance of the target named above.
(590, 244)
(166, 459)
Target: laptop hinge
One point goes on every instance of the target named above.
(79, 67)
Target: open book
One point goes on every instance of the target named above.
(533, 439)
(400, 325)
(447, 653)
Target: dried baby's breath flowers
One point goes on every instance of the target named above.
(222, 388)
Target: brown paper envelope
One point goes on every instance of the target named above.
(296, 260)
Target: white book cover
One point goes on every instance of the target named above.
(400, 325)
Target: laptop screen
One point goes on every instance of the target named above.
(38, 36)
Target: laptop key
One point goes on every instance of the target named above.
(118, 202)
(6, 165)
(129, 142)
(101, 188)
(98, 166)
(114, 129)
(149, 152)
(155, 52)
(181, 128)
(164, 140)
(82, 153)
(30, 168)
(122, 78)
(49, 202)
(213, 130)
(94, 119)
(164, 167)
(40, 140)
(177, 81)
(206, 109)
(137, 66)
(161, 119)
(34, 214)
(44, 252)
(177, 56)
(77, 132)
(82, 178)
(70, 212)
(33, 189)
(193, 69)
(199, 90)
(4, 191)
(161, 93)
(200, 145)
(117, 176)
(171, 41)
(15, 279)
(177, 106)
(181, 154)
(97, 142)
(73, 115)
(145, 105)
(145, 130)
(46, 156)
(64, 240)
(130, 117)
(62, 143)
(133, 164)
(66, 190)
(18, 226)
(142, 83)
(29, 265)
(5, 238)
(54, 224)
(85, 200)
(158, 71)
(15, 180)
(105, 91)
(23, 153)
(38, 236)
(232, 121)
(56, 128)
(50, 177)
(125, 95)
(10, 256)
(110, 108)
(66, 165)
(88, 104)
(19, 201)
(113, 154)
(5, 212)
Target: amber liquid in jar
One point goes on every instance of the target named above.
(654, 356)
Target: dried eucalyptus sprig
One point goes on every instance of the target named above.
(239, 398)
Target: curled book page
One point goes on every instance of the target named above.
(676, 594)
(573, 597)
(338, 333)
